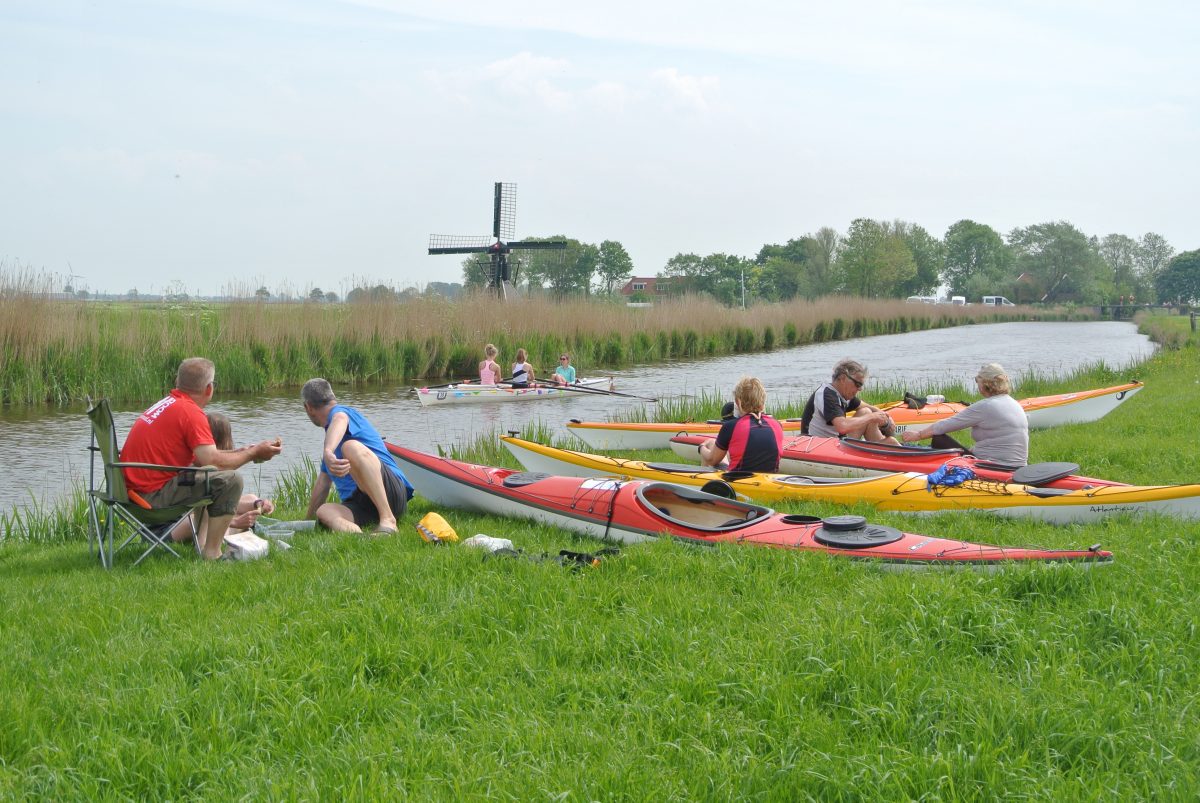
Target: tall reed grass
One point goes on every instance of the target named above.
(57, 351)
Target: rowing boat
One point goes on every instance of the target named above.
(1043, 412)
(909, 492)
(625, 435)
(638, 510)
(851, 457)
(473, 392)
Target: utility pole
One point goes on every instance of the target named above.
(743, 288)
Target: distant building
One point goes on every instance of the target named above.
(647, 286)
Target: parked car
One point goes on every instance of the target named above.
(997, 301)
(958, 301)
(921, 300)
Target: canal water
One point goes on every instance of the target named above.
(46, 450)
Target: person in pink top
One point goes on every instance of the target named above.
(489, 370)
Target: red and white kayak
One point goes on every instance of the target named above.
(631, 511)
(851, 457)
(624, 435)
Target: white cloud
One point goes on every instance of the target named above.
(689, 91)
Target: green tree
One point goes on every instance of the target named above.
(1179, 282)
(717, 275)
(875, 261)
(316, 295)
(613, 267)
(780, 270)
(563, 272)
(262, 293)
(977, 262)
(822, 247)
(1060, 263)
(1151, 256)
(929, 255)
(1119, 254)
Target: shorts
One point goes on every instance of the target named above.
(363, 509)
(225, 488)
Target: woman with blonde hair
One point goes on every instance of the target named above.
(752, 439)
(489, 370)
(998, 423)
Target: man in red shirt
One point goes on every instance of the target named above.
(175, 432)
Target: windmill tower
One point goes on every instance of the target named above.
(494, 252)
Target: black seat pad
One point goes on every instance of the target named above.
(524, 478)
(1043, 473)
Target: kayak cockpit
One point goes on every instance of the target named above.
(698, 510)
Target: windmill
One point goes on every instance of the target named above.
(71, 288)
(494, 252)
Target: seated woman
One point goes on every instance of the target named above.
(564, 374)
(522, 372)
(998, 423)
(752, 439)
(249, 507)
(489, 370)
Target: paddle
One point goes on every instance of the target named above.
(596, 391)
(449, 384)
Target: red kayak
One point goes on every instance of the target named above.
(851, 457)
(638, 510)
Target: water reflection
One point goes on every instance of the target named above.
(47, 451)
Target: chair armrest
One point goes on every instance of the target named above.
(157, 467)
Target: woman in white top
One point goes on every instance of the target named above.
(998, 423)
(522, 373)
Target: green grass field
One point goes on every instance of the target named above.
(383, 668)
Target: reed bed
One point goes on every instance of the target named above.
(56, 351)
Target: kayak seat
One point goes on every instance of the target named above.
(523, 478)
(1043, 473)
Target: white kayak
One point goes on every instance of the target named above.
(473, 392)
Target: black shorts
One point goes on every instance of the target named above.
(363, 509)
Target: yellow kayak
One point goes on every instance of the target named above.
(908, 492)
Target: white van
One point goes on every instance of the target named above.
(958, 301)
(921, 300)
(997, 301)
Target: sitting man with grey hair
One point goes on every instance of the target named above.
(355, 460)
(827, 413)
(176, 432)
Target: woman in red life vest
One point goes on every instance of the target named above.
(753, 440)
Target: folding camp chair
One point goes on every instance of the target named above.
(111, 504)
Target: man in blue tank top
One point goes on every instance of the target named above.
(371, 486)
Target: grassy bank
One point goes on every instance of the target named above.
(57, 351)
(384, 668)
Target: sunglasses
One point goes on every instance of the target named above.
(564, 358)
(857, 384)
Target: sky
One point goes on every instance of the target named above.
(222, 145)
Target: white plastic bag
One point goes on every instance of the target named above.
(490, 543)
(246, 546)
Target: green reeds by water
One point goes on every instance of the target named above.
(57, 351)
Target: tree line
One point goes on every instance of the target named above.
(1048, 262)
